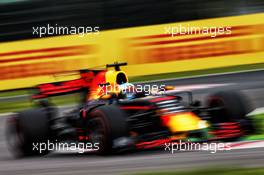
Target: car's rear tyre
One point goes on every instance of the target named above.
(26, 129)
(106, 124)
(230, 106)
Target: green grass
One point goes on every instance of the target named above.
(212, 171)
(255, 137)
(259, 122)
(14, 107)
(14, 93)
(197, 72)
(259, 119)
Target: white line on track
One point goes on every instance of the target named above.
(199, 86)
(247, 144)
(257, 111)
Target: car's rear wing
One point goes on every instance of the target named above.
(88, 78)
(65, 87)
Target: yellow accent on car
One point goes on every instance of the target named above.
(186, 121)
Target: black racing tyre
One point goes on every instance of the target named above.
(26, 129)
(106, 124)
(233, 107)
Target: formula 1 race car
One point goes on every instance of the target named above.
(123, 118)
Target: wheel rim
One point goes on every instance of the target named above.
(97, 132)
(14, 136)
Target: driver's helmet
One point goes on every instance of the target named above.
(128, 90)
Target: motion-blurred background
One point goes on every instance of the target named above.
(133, 31)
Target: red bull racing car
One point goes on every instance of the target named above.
(114, 116)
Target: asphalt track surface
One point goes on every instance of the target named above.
(251, 84)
